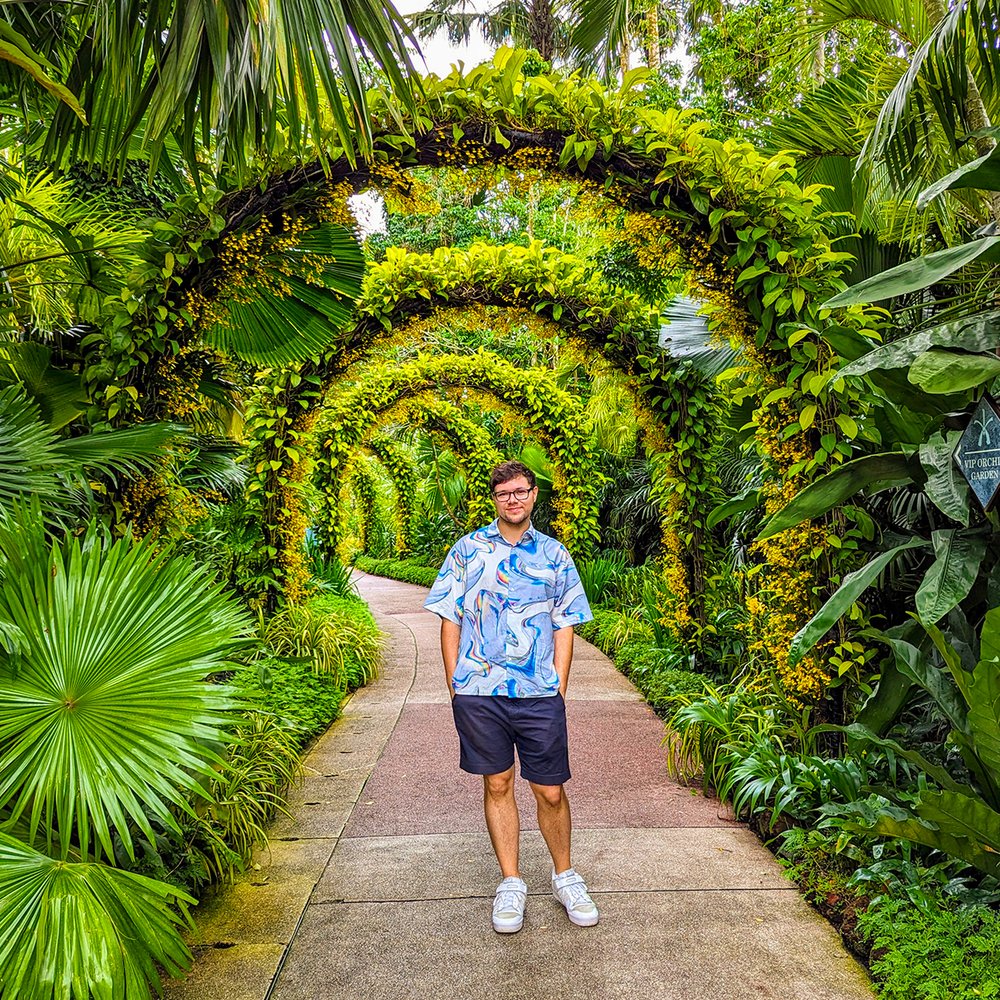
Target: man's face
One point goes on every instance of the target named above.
(514, 500)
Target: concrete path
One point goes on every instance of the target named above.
(379, 886)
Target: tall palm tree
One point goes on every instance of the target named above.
(604, 32)
(946, 88)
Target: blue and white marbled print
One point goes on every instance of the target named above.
(508, 599)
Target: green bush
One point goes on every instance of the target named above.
(337, 634)
(655, 671)
(933, 954)
(305, 702)
(599, 573)
(261, 764)
(329, 573)
(287, 703)
(398, 569)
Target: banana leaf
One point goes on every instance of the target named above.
(957, 558)
(942, 371)
(852, 587)
(980, 332)
(917, 274)
(870, 472)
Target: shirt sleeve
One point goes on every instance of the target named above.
(448, 592)
(571, 606)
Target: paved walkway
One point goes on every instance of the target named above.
(379, 886)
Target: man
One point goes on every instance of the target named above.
(508, 598)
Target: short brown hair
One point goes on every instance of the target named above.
(506, 471)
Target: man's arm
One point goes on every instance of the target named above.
(451, 632)
(562, 640)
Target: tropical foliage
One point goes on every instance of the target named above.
(735, 323)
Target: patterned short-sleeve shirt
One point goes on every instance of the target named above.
(508, 600)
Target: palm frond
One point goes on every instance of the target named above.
(953, 71)
(322, 277)
(601, 28)
(685, 336)
(115, 929)
(454, 16)
(126, 451)
(228, 75)
(211, 464)
(105, 721)
(29, 458)
(59, 394)
(904, 19)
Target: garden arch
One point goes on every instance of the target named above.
(400, 468)
(753, 240)
(407, 288)
(440, 418)
(551, 412)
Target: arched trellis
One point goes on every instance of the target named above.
(401, 469)
(515, 278)
(554, 416)
(754, 242)
(470, 443)
(404, 291)
(439, 418)
(365, 485)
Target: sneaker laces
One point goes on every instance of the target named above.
(509, 897)
(576, 889)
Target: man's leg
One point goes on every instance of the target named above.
(502, 820)
(554, 822)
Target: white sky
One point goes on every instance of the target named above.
(439, 53)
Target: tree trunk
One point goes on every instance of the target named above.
(623, 54)
(653, 36)
(819, 60)
(542, 28)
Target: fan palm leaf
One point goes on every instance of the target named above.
(59, 394)
(104, 717)
(76, 931)
(321, 277)
(685, 336)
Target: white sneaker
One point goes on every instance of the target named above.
(508, 905)
(571, 891)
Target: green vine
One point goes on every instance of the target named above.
(401, 469)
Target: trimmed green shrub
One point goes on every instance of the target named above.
(398, 569)
(304, 701)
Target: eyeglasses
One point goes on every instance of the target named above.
(505, 495)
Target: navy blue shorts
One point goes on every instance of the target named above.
(491, 726)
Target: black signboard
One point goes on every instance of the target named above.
(978, 452)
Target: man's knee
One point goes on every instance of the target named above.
(550, 795)
(499, 786)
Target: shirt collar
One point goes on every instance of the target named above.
(493, 530)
